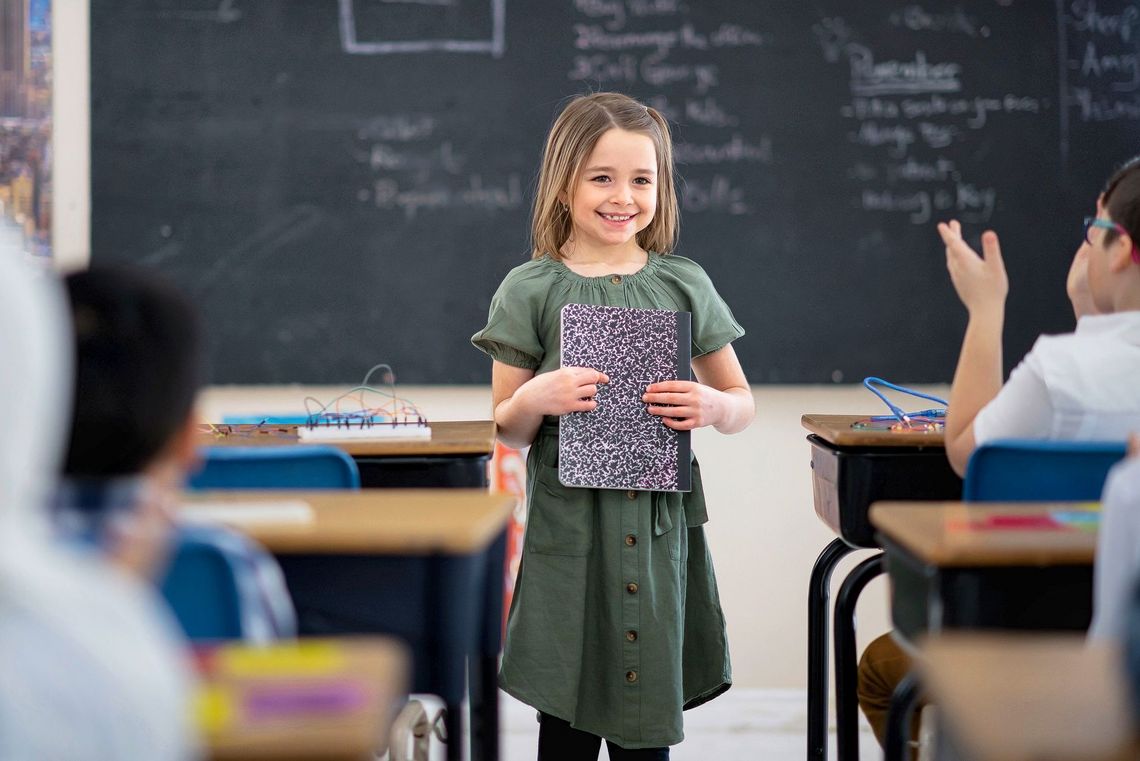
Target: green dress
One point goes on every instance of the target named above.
(615, 625)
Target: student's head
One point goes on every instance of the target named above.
(136, 374)
(607, 157)
(1114, 242)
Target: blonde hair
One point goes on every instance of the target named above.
(571, 140)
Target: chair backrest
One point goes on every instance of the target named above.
(221, 585)
(276, 467)
(1014, 470)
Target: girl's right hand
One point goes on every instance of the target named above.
(568, 389)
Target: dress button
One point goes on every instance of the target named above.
(631, 635)
(631, 494)
(631, 676)
(630, 540)
(631, 587)
(616, 279)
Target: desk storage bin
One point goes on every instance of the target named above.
(929, 599)
(846, 480)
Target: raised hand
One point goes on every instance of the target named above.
(981, 283)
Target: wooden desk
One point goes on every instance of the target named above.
(988, 565)
(456, 455)
(850, 469)
(1028, 698)
(374, 522)
(415, 564)
(315, 699)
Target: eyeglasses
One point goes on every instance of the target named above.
(1104, 224)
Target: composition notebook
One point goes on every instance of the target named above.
(619, 445)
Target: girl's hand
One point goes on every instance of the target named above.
(693, 405)
(568, 389)
(981, 284)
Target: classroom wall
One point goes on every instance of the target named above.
(763, 530)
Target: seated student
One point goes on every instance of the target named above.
(138, 370)
(132, 435)
(1080, 385)
(90, 668)
(1117, 569)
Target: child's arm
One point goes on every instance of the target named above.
(720, 397)
(521, 398)
(982, 286)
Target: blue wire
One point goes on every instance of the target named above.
(903, 417)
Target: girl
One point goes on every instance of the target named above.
(615, 626)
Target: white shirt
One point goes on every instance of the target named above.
(100, 675)
(1117, 552)
(1083, 385)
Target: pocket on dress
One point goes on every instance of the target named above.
(560, 519)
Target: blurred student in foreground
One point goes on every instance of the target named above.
(91, 666)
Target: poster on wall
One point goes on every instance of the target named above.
(25, 127)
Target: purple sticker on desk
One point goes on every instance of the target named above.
(329, 697)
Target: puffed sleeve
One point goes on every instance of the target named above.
(714, 327)
(511, 333)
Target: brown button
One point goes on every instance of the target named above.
(616, 279)
(631, 587)
(631, 494)
(631, 676)
(630, 540)
(631, 635)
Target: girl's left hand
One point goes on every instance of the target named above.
(693, 405)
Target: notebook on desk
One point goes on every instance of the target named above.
(619, 445)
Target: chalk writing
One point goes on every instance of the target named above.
(679, 57)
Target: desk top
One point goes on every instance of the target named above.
(462, 437)
(837, 430)
(369, 521)
(1030, 697)
(311, 699)
(965, 534)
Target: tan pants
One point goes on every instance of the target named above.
(881, 668)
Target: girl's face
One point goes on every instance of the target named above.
(615, 196)
(1099, 268)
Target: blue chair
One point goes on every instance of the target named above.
(1014, 470)
(283, 467)
(220, 585)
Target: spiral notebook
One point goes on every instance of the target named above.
(619, 445)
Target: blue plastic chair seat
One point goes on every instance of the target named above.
(283, 467)
(1015, 470)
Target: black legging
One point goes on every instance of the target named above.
(558, 741)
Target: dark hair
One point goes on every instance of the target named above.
(137, 369)
(1121, 198)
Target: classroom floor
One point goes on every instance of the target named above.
(753, 724)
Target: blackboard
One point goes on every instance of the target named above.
(344, 182)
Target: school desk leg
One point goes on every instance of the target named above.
(819, 593)
(900, 717)
(485, 665)
(846, 664)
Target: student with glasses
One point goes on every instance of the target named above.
(1079, 385)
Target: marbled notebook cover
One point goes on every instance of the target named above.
(619, 445)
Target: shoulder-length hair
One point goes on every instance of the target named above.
(572, 138)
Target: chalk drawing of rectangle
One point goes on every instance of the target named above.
(495, 45)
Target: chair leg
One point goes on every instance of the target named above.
(819, 593)
(846, 664)
(900, 717)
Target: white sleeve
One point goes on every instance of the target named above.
(1117, 552)
(1021, 410)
